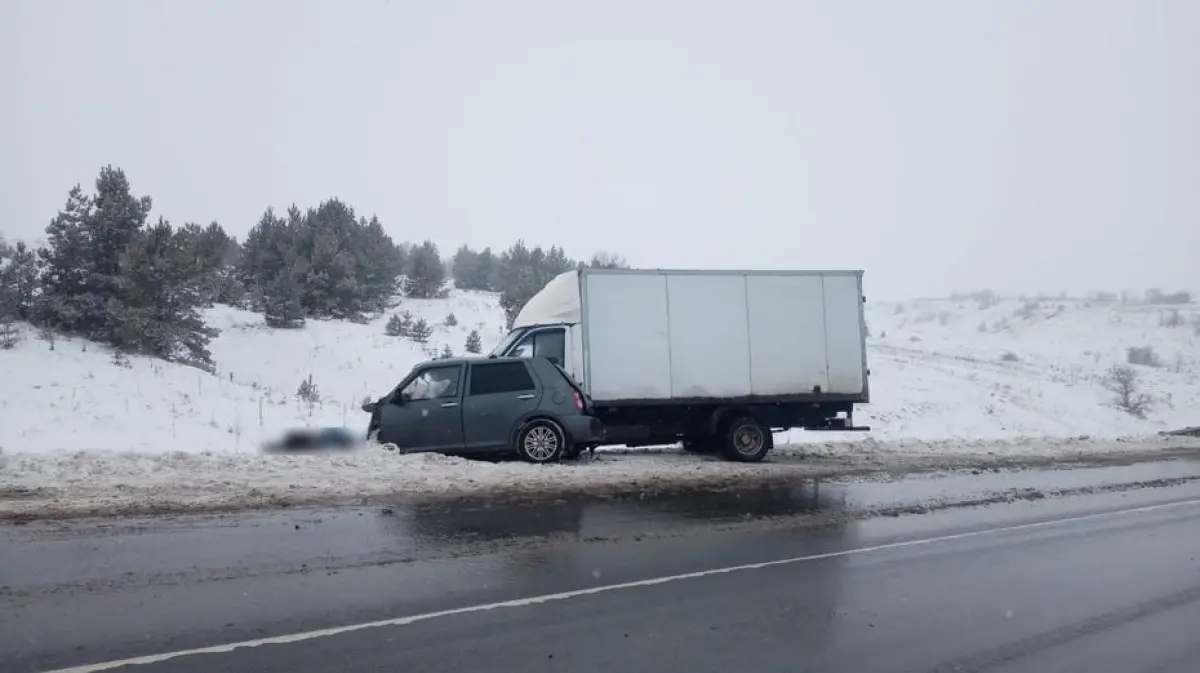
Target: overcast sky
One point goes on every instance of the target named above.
(1018, 144)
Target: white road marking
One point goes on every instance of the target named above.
(575, 593)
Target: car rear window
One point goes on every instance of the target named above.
(500, 377)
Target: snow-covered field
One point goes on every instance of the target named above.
(948, 378)
(944, 369)
(1034, 372)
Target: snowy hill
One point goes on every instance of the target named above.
(75, 396)
(941, 369)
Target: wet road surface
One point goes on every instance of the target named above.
(769, 579)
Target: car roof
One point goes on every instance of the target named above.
(479, 359)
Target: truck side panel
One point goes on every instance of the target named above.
(710, 337)
(693, 336)
(844, 334)
(627, 343)
(787, 334)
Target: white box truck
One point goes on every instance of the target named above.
(716, 359)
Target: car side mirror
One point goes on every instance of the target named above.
(370, 407)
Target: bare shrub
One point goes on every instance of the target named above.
(308, 391)
(1142, 355)
(926, 316)
(1170, 318)
(1155, 296)
(1025, 311)
(1122, 381)
(9, 334)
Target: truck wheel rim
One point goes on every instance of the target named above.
(541, 443)
(748, 440)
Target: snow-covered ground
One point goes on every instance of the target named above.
(948, 378)
(945, 369)
(76, 397)
(940, 369)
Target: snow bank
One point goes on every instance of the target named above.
(104, 483)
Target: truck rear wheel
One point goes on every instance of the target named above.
(746, 440)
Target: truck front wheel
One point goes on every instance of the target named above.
(746, 440)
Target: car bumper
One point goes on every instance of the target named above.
(584, 430)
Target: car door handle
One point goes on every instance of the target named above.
(448, 405)
(527, 396)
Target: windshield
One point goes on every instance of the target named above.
(508, 341)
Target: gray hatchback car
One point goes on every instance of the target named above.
(487, 405)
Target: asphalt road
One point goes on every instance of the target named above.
(1106, 582)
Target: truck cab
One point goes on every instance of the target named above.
(549, 326)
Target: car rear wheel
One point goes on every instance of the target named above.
(541, 441)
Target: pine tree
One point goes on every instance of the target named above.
(382, 263)
(451, 320)
(426, 273)
(18, 281)
(474, 342)
(608, 260)
(523, 272)
(215, 254)
(114, 224)
(9, 333)
(406, 324)
(66, 264)
(331, 286)
(162, 291)
(344, 267)
(420, 331)
(464, 267)
(484, 273)
(394, 326)
(446, 353)
(270, 268)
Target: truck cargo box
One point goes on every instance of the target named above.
(653, 336)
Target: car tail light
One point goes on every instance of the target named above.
(578, 400)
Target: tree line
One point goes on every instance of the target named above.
(108, 274)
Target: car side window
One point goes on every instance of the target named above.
(500, 377)
(433, 383)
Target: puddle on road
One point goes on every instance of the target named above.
(482, 520)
